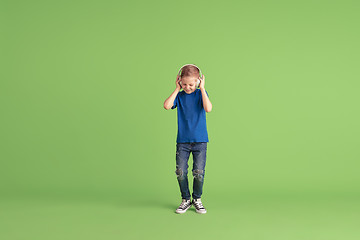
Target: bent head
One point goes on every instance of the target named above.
(189, 76)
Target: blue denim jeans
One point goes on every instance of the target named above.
(198, 151)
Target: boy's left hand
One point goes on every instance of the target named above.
(202, 82)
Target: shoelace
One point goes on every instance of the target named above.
(184, 204)
(198, 205)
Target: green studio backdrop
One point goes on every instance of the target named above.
(83, 85)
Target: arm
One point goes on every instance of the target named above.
(169, 102)
(206, 101)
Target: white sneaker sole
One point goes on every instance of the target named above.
(200, 212)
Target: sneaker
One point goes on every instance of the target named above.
(198, 206)
(184, 206)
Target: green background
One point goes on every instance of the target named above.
(88, 151)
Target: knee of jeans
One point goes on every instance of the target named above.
(198, 174)
(179, 173)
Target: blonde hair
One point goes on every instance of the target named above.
(190, 70)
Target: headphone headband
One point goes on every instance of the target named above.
(200, 74)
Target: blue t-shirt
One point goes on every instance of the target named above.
(191, 117)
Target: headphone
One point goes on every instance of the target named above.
(197, 80)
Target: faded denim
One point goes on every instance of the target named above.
(198, 150)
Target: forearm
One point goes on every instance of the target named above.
(169, 102)
(206, 101)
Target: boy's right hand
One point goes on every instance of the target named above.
(177, 82)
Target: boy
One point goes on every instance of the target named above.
(191, 103)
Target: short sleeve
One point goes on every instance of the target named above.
(175, 102)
